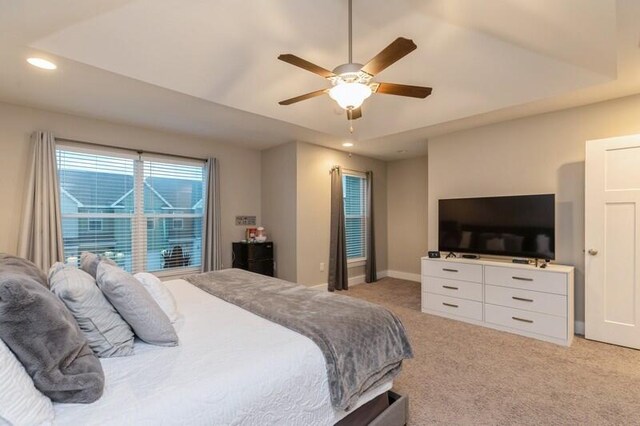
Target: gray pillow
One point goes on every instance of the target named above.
(43, 335)
(89, 262)
(108, 334)
(9, 263)
(136, 306)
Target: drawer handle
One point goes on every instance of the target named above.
(450, 305)
(450, 287)
(523, 320)
(449, 270)
(522, 279)
(522, 299)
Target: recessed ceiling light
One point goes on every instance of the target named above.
(347, 144)
(42, 63)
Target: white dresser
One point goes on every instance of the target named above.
(512, 297)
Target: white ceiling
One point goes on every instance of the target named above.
(210, 68)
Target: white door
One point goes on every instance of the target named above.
(612, 241)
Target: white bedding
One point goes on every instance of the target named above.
(231, 368)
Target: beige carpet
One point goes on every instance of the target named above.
(464, 374)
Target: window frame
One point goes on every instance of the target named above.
(95, 220)
(139, 234)
(179, 220)
(358, 261)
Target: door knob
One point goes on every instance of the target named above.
(593, 252)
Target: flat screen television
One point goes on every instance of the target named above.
(515, 226)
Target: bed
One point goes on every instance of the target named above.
(232, 368)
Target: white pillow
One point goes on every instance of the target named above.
(20, 402)
(160, 294)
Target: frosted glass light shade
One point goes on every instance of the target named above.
(350, 95)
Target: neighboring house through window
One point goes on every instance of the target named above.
(141, 212)
(94, 224)
(354, 187)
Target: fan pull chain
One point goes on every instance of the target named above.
(350, 125)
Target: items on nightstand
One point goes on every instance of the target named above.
(261, 235)
(434, 254)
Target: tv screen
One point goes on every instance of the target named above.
(516, 226)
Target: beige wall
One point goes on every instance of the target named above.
(239, 167)
(279, 195)
(539, 154)
(407, 214)
(314, 209)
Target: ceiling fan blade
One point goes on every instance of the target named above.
(354, 114)
(304, 64)
(390, 54)
(403, 90)
(302, 97)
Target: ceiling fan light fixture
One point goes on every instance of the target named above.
(350, 95)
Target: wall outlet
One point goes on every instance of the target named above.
(321, 266)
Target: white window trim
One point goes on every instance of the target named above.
(360, 261)
(177, 272)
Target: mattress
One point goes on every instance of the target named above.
(231, 368)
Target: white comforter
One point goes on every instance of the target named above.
(231, 368)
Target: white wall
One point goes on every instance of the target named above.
(407, 214)
(279, 195)
(539, 154)
(239, 168)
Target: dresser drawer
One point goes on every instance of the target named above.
(546, 303)
(452, 270)
(453, 288)
(526, 279)
(452, 305)
(532, 322)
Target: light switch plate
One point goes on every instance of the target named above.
(245, 221)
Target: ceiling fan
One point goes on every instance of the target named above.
(352, 82)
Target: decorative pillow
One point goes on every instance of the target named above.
(108, 334)
(160, 294)
(9, 263)
(20, 402)
(43, 335)
(136, 306)
(89, 262)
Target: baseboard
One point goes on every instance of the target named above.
(404, 275)
(355, 280)
(578, 328)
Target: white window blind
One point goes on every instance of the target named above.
(355, 209)
(127, 209)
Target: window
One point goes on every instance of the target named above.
(94, 224)
(355, 213)
(144, 214)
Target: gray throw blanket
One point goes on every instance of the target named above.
(363, 344)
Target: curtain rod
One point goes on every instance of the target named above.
(348, 170)
(137, 151)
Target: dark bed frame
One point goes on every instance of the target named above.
(388, 409)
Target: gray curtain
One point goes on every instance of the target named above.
(41, 229)
(338, 277)
(370, 265)
(211, 254)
